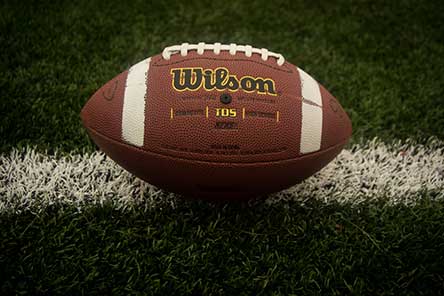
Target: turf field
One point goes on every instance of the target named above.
(72, 222)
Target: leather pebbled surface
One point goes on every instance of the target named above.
(103, 111)
(217, 181)
(336, 125)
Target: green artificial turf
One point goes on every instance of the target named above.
(231, 250)
(383, 61)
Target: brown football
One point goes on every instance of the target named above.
(217, 121)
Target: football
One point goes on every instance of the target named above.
(217, 121)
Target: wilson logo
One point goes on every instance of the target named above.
(193, 79)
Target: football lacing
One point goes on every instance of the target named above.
(217, 48)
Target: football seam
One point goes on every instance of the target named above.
(158, 61)
(217, 162)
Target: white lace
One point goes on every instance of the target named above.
(217, 47)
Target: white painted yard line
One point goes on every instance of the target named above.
(398, 173)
